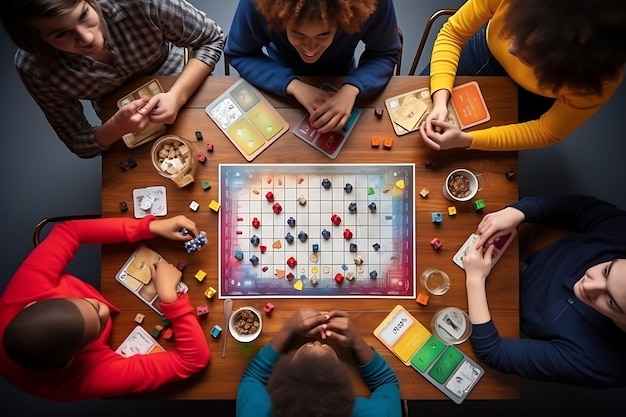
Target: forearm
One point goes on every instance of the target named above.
(363, 353)
(189, 80)
(477, 301)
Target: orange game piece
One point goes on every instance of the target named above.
(375, 141)
(388, 143)
(422, 298)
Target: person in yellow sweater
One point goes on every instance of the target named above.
(567, 57)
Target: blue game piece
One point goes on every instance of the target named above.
(183, 231)
(373, 274)
(344, 267)
(316, 247)
(255, 240)
(372, 206)
(348, 187)
(352, 207)
(303, 236)
(215, 331)
(289, 237)
(437, 217)
(254, 260)
(291, 221)
(196, 243)
(352, 247)
(239, 255)
(388, 217)
(376, 247)
(325, 234)
(326, 183)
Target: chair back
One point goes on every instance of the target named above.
(427, 28)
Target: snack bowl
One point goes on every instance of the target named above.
(245, 324)
(174, 157)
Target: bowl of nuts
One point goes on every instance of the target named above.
(462, 185)
(174, 158)
(245, 324)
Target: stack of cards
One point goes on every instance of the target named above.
(445, 366)
(246, 117)
(466, 108)
(152, 130)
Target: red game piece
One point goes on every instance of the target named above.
(347, 234)
(262, 248)
(339, 279)
(436, 243)
(209, 147)
(269, 196)
(255, 222)
(202, 158)
(290, 276)
(269, 307)
(292, 262)
(277, 208)
(335, 219)
(202, 310)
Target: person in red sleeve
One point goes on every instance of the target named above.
(54, 327)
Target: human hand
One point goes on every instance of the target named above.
(128, 119)
(497, 224)
(309, 96)
(162, 108)
(442, 136)
(334, 112)
(477, 263)
(306, 322)
(170, 228)
(166, 278)
(342, 329)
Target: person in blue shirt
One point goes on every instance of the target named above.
(272, 42)
(311, 380)
(572, 294)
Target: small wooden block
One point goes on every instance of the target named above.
(139, 318)
(202, 310)
(422, 298)
(168, 333)
(375, 141)
(388, 143)
(269, 307)
(194, 205)
(200, 275)
(215, 331)
(206, 185)
(210, 292)
(452, 211)
(424, 192)
(215, 206)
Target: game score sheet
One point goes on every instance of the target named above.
(295, 230)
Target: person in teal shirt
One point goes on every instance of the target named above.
(311, 380)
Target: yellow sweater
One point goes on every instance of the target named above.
(570, 110)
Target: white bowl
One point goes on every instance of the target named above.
(234, 318)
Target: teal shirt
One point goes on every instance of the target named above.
(254, 400)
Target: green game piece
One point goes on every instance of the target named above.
(427, 353)
(206, 185)
(446, 364)
(479, 205)
(370, 191)
(239, 255)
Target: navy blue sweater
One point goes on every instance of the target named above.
(565, 340)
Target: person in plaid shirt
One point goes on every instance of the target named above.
(73, 50)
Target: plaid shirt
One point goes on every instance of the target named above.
(144, 37)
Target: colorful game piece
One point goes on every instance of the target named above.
(315, 247)
(298, 285)
(372, 206)
(388, 143)
(358, 260)
(373, 274)
(350, 276)
(210, 292)
(376, 246)
(277, 244)
(262, 248)
(214, 205)
(269, 196)
(301, 200)
(131, 162)
(347, 234)
(303, 236)
(378, 112)
(181, 265)
(123, 206)
(336, 220)
(348, 187)
(183, 231)
(371, 191)
(256, 223)
(352, 207)
(215, 331)
(326, 183)
(139, 318)
(254, 260)
(156, 331)
(268, 308)
(510, 174)
(424, 192)
(422, 298)
(353, 247)
(201, 158)
(375, 142)
(199, 135)
(124, 165)
(451, 211)
(255, 240)
(209, 147)
(201, 310)
(168, 333)
(291, 221)
(206, 185)
(194, 206)
(289, 237)
(436, 243)
(339, 278)
(326, 234)
(200, 275)
(479, 205)
(436, 217)
(292, 262)
(239, 255)
(277, 208)
(290, 276)
(196, 243)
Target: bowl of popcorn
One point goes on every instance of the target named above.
(174, 158)
(245, 324)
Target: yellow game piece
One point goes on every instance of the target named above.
(277, 244)
(298, 285)
(451, 210)
(200, 275)
(315, 270)
(139, 318)
(400, 184)
(422, 298)
(215, 206)
(424, 192)
(210, 292)
(280, 273)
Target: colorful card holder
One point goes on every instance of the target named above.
(466, 108)
(247, 119)
(152, 130)
(444, 366)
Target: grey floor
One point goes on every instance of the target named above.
(40, 177)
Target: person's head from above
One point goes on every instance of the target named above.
(603, 288)
(42, 27)
(311, 25)
(48, 334)
(311, 381)
(575, 45)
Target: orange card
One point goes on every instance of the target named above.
(469, 105)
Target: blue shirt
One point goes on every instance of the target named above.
(254, 400)
(565, 341)
(267, 60)
(144, 37)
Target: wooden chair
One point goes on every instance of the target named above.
(427, 28)
(398, 66)
(47, 220)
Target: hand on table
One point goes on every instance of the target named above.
(306, 322)
(170, 228)
(166, 278)
(334, 112)
(162, 108)
(309, 96)
(497, 224)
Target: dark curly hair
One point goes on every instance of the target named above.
(312, 386)
(348, 15)
(576, 44)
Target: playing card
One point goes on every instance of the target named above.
(501, 243)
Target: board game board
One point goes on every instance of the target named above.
(340, 230)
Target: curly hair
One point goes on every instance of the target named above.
(348, 15)
(570, 44)
(18, 15)
(311, 387)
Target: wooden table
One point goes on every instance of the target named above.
(220, 379)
